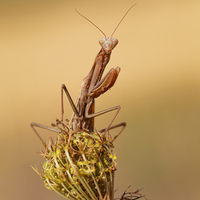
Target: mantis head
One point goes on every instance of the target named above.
(108, 43)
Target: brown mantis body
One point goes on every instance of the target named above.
(92, 87)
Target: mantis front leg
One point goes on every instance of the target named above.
(101, 87)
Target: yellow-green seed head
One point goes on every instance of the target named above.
(79, 165)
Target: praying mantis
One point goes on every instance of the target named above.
(92, 87)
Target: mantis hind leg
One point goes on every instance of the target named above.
(103, 112)
(33, 125)
(123, 125)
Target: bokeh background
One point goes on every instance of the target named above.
(44, 44)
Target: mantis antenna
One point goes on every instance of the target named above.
(90, 22)
(99, 28)
(122, 19)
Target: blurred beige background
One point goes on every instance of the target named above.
(44, 44)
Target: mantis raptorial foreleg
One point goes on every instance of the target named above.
(106, 83)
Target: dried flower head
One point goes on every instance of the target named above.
(79, 165)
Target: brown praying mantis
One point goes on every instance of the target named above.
(93, 86)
